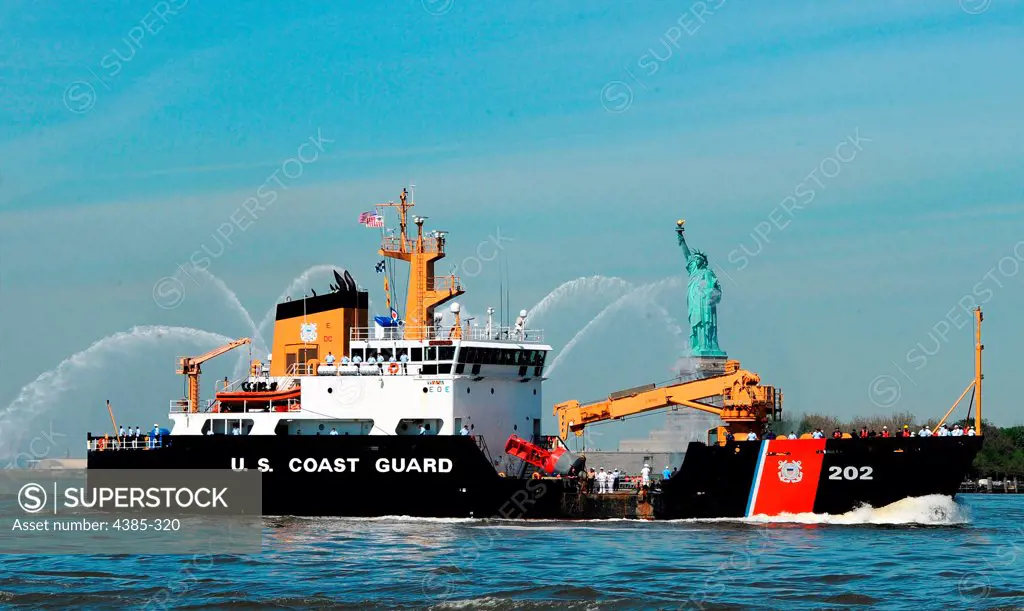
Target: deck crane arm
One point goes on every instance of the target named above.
(747, 404)
(191, 366)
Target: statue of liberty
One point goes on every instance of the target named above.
(702, 296)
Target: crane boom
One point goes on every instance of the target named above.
(747, 405)
(191, 366)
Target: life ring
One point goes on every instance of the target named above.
(393, 368)
(536, 475)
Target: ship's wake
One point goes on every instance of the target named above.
(931, 510)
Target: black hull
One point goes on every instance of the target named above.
(455, 480)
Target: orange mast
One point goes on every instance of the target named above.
(426, 291)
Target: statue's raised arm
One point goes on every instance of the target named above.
(682, 239)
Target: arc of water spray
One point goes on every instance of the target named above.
(301, 282)
(232, 298)
(39, 396)
(596, 283)
(630, 298)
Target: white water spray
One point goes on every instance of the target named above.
(41, 395)
(930, 510)
(257, 337)
(641, 296)
(300, 283)
(599, 285)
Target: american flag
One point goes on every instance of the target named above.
(371, 219)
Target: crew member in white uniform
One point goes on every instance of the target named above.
(943, 431)
(957, 431)
(602, 479)
(645, 475)
(751, 436)
(970, 431)
(924, 432)
(520, 332)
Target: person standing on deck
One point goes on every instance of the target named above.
(666, 473)
(645, 475)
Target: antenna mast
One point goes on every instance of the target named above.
(425, 290)
(978, 376)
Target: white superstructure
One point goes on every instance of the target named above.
(488, 382)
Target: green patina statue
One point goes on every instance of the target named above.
(702, 296)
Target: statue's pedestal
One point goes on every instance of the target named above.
(697, 367)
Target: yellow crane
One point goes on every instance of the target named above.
(190, 366)
(747, 405)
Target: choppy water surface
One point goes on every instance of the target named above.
(919, 554)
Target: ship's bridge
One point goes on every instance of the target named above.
(510, 351)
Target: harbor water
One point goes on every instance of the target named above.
(928, 553)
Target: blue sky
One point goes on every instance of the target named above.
(127, 139)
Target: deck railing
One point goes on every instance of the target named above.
(510, 335)
(111, 443)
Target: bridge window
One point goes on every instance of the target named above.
(430, 354)
(416, 354)
(224, 426)
(446, 353)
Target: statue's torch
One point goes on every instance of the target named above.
(679, 226)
